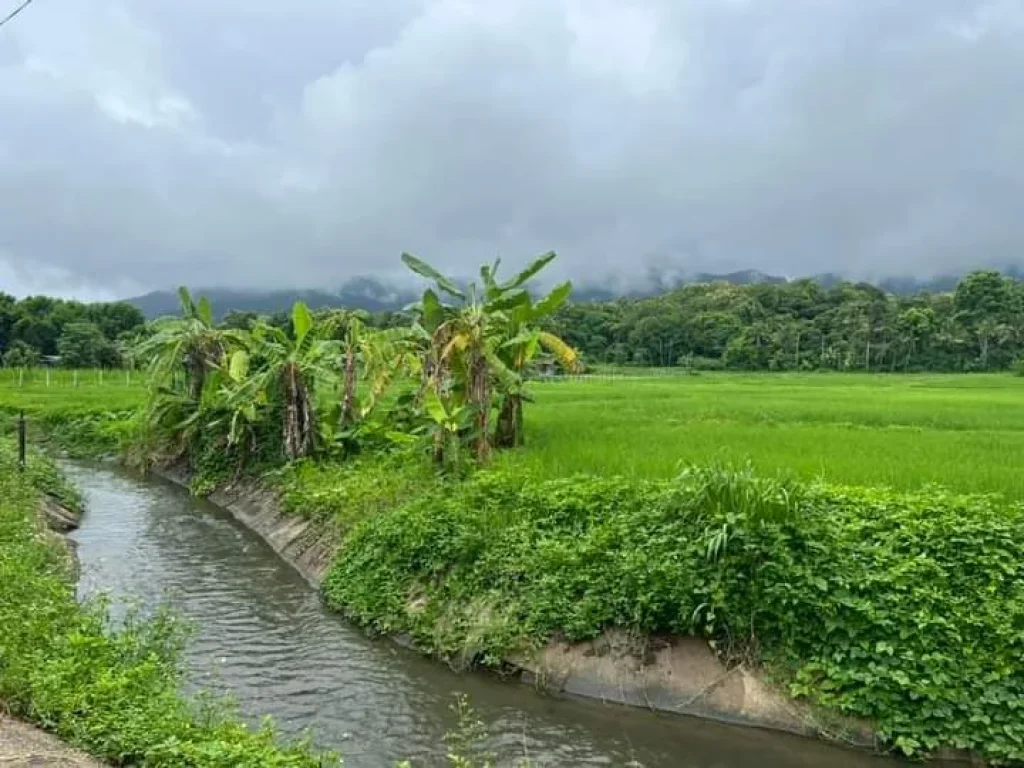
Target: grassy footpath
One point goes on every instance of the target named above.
(113, 692)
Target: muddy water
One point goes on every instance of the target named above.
(262, 635)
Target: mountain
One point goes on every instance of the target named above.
(359, 293)
(374, 295)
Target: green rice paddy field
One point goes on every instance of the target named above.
(965, 432)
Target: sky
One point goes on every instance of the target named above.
(259, 144)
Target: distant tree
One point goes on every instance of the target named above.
(20, 355)
(240, 320)
(83, 345)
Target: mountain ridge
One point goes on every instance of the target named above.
(374, 295)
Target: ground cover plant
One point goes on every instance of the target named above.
(112, 691)
(906, 610)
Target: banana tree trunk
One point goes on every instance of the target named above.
(510, 422)
(349, 399)
(480, 397)
(196, 374)
(298, 415)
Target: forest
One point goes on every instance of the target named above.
(81, 335)
(803, 325)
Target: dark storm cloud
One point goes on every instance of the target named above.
(270, 144)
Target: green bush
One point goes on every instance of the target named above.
(907, 610)
(112, 692)
(345, 492)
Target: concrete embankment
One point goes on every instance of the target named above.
(680, 675)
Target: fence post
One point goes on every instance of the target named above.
(101, 377)
(21, 441)
(74, 377)
(47, 375)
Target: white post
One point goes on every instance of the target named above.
(128, 376)
(101, 377)
(74, 378)
(21, 378)
(47, 375)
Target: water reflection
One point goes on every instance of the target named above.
(262, 635)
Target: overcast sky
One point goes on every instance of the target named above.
(253, 143)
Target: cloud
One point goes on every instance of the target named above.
(271, 144)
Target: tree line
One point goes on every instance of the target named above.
(38, 328)
(802, 325)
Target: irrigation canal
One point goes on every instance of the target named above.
(262, 636)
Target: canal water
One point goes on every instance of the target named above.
(262, 636)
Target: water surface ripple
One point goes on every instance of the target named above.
(262, 636)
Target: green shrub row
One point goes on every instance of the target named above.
(907, 610)
(111, 691)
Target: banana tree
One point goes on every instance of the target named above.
(523, 339)
(461, 361)
(293, 366)
(190, 346)
(349, 327)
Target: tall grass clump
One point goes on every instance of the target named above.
(903, 609)
(114, 692)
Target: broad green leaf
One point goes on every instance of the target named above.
(522, 337)
(188, 308)
(434, 407)
(535, 266)
(553, 301)
(433, 310)
(238, 367)
(565, 354)
(302, 321)
(508, 300)
(489, 275)
(205, 310)
(423, 269)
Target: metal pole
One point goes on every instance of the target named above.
(21, 441)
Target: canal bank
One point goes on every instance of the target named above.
(108, 688)
(263, 635)
(670, 675)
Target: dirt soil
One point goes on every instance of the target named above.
(24, 745)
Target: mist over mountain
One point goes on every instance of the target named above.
(376, 295)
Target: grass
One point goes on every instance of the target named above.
(963, 432)
(113, 691)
